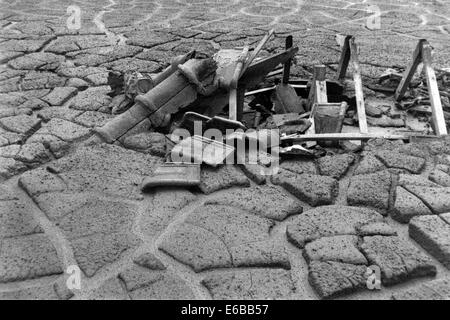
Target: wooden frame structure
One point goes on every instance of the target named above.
(318, 94)
(349, 54)
(422, 54)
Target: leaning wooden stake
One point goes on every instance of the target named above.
(358, 87)
(440, 127)
(345, 59)
(409, 73)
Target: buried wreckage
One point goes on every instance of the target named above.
(193, 94)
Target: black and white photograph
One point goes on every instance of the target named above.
(224, 155)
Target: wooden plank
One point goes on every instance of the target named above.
(345, 59)
(341, 136)
(361, 109)
(440, 127)
(409, 72)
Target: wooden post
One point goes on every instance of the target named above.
(409, 72)
(345, 59)
(318, 92)
(240, 102)
(287, 64)
(440, 127)
(358, 87)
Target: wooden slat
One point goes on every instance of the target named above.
(409, 72)
(361, 109)
(341, 136)
(440, 127)
(345, 59)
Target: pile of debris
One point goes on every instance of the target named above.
(205, 106)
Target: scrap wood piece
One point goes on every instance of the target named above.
(409, 72)
(362, 121)
(440, 127)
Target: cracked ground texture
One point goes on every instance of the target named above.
(309, 232)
